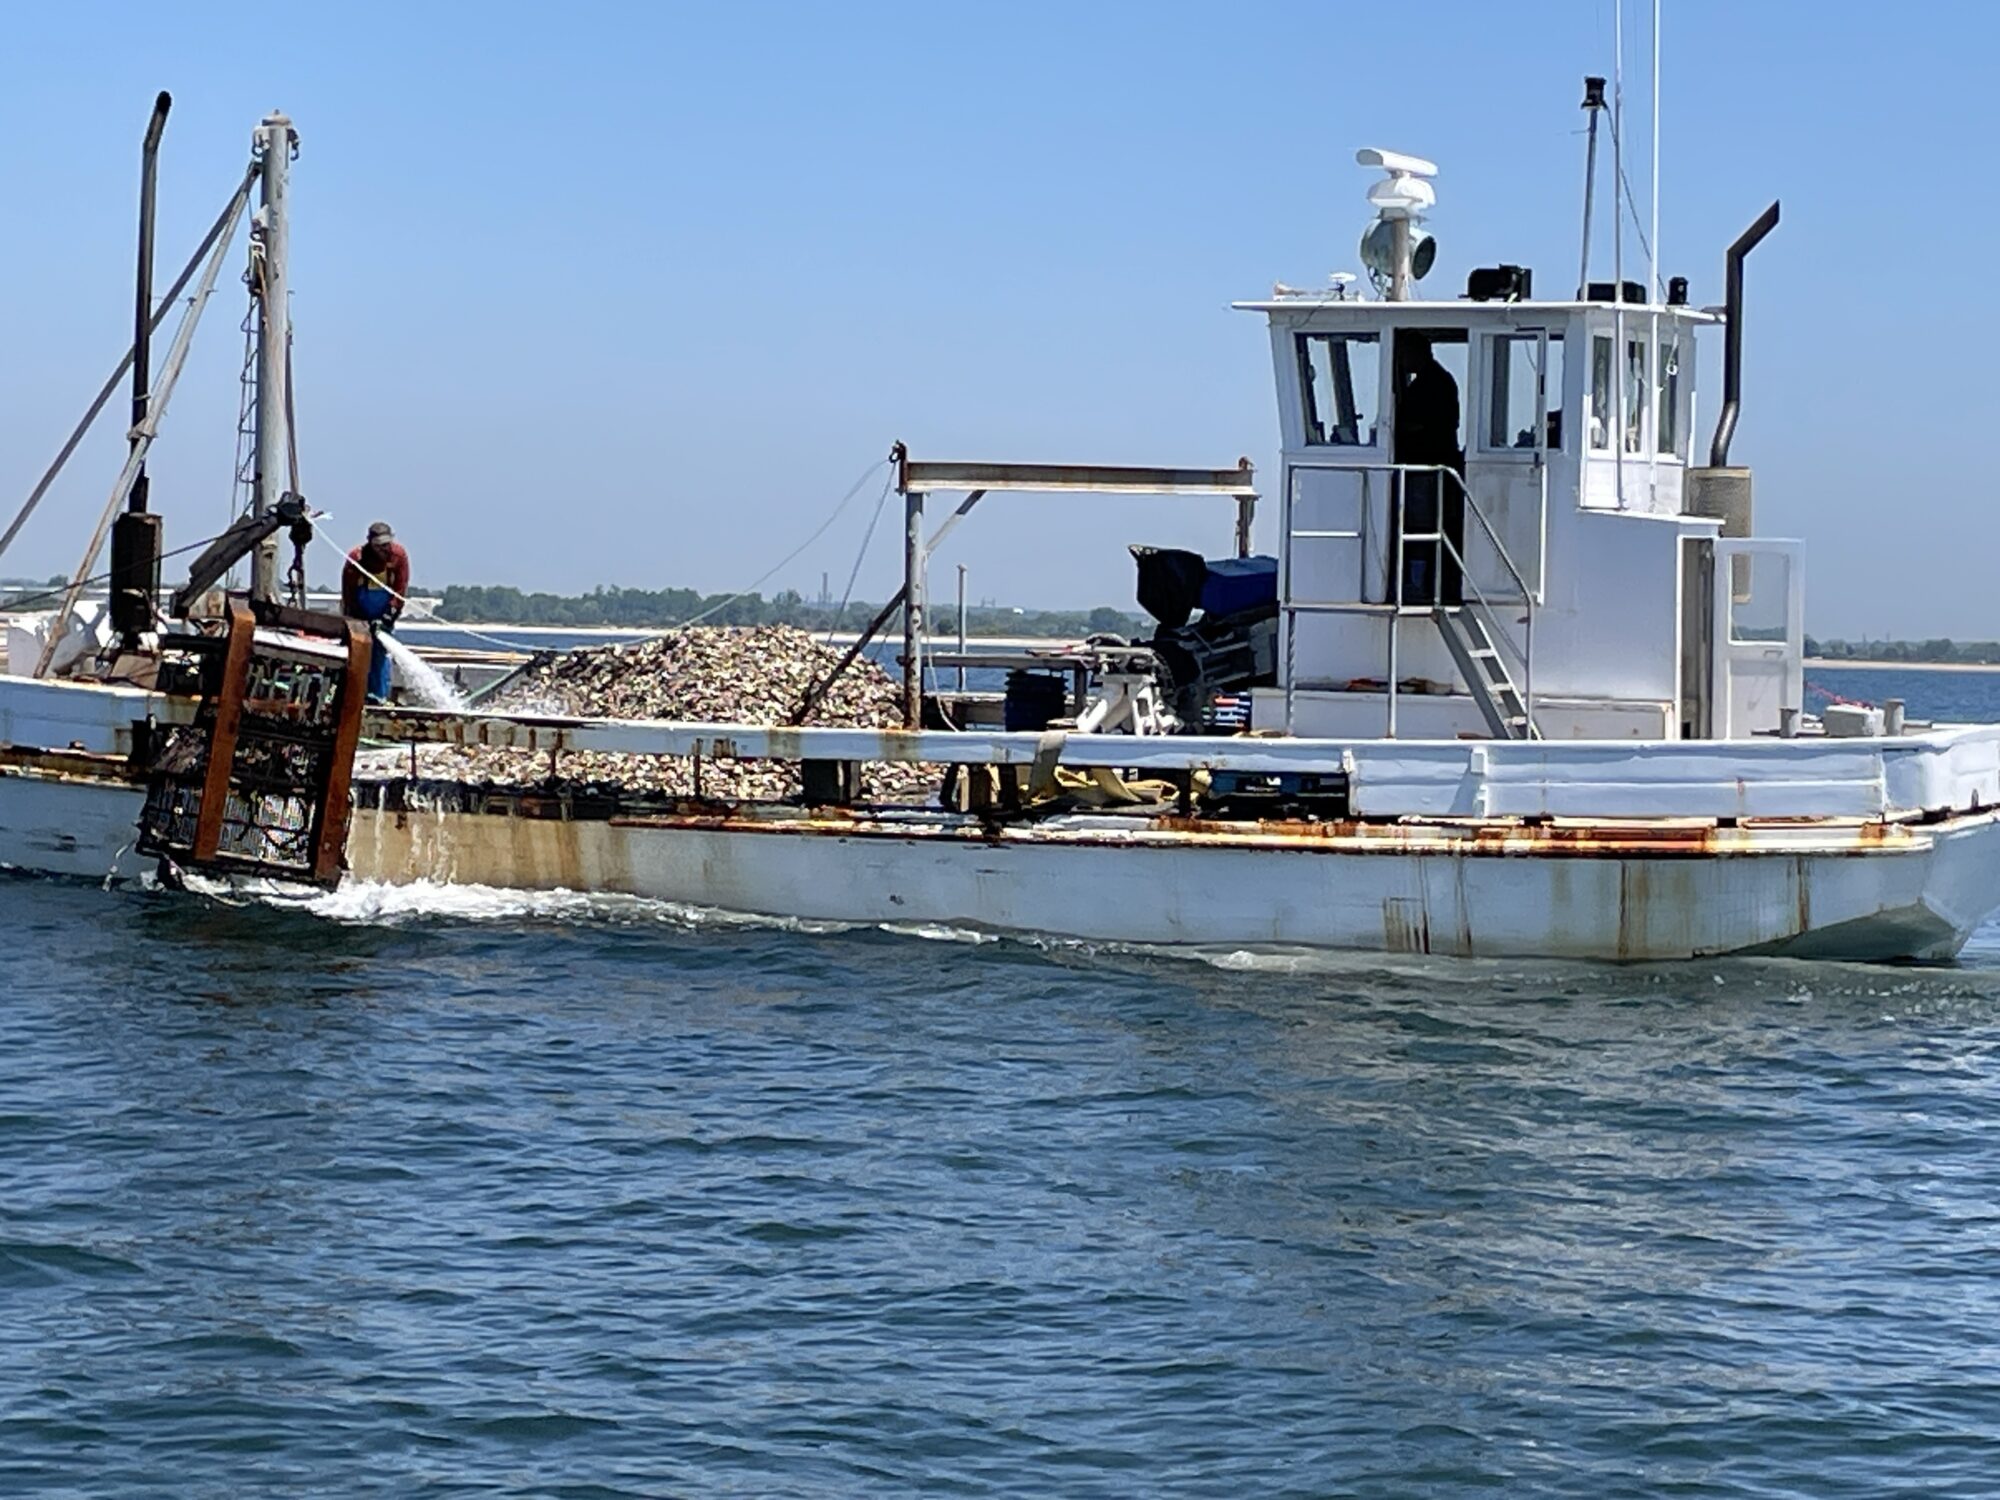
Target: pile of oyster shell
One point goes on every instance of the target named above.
(703, 674)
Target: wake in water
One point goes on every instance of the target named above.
(372, 903)
(382, 904)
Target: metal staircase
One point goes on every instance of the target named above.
(1477, 633)
(1473, 648)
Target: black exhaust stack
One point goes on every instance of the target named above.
(135, 538)
(1732, 349)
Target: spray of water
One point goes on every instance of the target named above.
(421, 678)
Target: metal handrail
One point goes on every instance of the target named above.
(1523, 653)
(1472, 505)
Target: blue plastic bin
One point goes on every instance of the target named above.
(1236, 584)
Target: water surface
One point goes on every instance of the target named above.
(450, 1193)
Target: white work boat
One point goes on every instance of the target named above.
(1524, 683)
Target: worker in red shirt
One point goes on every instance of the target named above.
(374, 586)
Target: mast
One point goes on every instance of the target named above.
(274, 142)
(1618, 355)
(1593, 106)
(1653, 291)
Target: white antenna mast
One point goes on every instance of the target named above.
(1619, 356)
(274, 141)
(1653, 391)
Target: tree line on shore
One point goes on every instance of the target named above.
(476, 604)
(1938, 650)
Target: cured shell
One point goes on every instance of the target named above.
(710, 674)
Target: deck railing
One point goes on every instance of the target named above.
(1394, 605)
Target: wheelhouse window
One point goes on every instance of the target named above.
(1601, 414)
(1340, 375)
(1667, 422)
(1518, 389)
(1635, 395)
(1760, 598)
(1604, 402)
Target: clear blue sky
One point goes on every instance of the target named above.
(631, 293)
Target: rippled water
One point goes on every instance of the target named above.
(455, 1194)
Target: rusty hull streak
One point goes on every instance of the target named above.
(1690, 839)
(68, 765)
(1686, 838)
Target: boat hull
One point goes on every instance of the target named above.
(1630, 892)
(1859, 892)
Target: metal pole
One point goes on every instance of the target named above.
(961, 627)
(1246, 518)
(1399, 271)
(275, 140)
(1653, 282)
(1398, 481)
(1528, 677)
(913, 609)
(142, 315)
(1618, 245)
(1288, 614)
(1593, 106)
(110, 387)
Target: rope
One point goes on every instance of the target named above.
(818, 532)
(1631, 212)
(1832, 697)
(29, 601)
(427, 612)
(714, 609)
(167, 302)
(847, 594)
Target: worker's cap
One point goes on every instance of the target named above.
(380, 532)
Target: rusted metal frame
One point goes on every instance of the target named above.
(819, 689)
(222, 736)
(1060, 478)
(312, 622)
(336, 809)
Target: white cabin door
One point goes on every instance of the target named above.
(1759, 636)
(1507, 455)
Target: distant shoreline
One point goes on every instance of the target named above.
(945, 643)
(1842, 663)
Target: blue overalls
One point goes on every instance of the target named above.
(374, 605)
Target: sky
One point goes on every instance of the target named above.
(632, 294)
